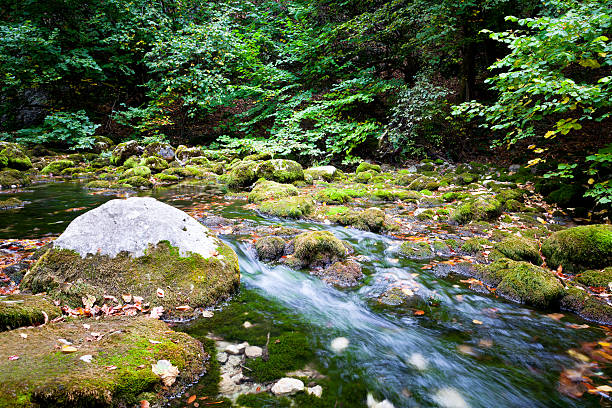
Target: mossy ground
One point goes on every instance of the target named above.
(26, 310)
(44, 376)
(191, 280)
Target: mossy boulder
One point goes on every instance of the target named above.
(10, 203)
(139, 171)
(319, 248)
(365, 166)
(184, 153)
(523, 282)
(183, 172)
(281, 170)
(57, 166)
(137, 181)
(137, 246)
(292, 207)
(336, 195)
(242, 174)
(96, 184)
(424, 183)
(579, 248)
(404, 179)
(123, 151)
(44, 376)
(588, 307)
(519, 248)
(327, 173)
(14, 156)
(372, 219)
(363, 177)
(13, 178)
(270, 248)
(159, 149)
(267, 190)
(343, 274)
(596, 278)
(26, 310)
(418, 251)
(155, 163)
(465, 178)
(479, 209)
(102, 144)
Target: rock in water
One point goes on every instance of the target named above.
(136, 246)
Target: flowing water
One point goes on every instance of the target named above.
(473, 348)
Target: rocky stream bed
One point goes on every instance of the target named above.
(437, 284)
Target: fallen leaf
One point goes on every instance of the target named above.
(191, 399)
(154, 341)
(183, 308)
(144, 404)
(555, 316)
(160, 292)
(419, 312)
(604, 388)
(23, 336)
(207, 314)
(476, 321)
(156, 312)
(69, 349)
(86, 358)
(88, 301)
(111, 368)
(166, 371)
(13, 357)
(127, 298)
(86, 326)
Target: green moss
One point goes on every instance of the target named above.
(283, 171)
(567, 196)
(131, 162)
(43, 376)
(242, 175)
(25, 310)
(597, 278)
(337, 196)
(454, 195)
(513, 206)
(519, 249)
(292, 207)
(57, 166)
(318, 248)
(155, 163)
(480, 209)
(270, 248)
(466, 178)
(10, 203)
(406, 179)
(137, 181)
(579, 248)
(99, 184)
(588, 307)
(363, 177)
(263, 400)
(137, 171)
(365, 166)
(474, 245)
(424, 183)
(266, 190)
(416, 250)
(287, 352)
(426, 215)
(510, 194)
(13, 156)
(258, 156)
(193, 280)
(524, 283)
(167, 177)
(372, 219)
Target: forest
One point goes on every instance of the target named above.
(305, 203)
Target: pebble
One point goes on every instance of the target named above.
(236, 348)
(222, 357)
(339, 344)
(317, 391)
(234, 361)
(253, 351)
(287, 386)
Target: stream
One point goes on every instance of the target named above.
(472, 350)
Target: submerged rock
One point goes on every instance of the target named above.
(579, 248)
(26, 310)
(344, 274)
(137, 246)
(45, 375)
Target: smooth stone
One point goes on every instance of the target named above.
(222, 357)
(339, 344)
(287, 386)
(317, 391)
(234, 349)
(131, 225)
(253, 351)
(234, 361)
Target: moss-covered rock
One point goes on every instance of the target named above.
(597, 278)
(292, 207)
(318, 248)
(337, 196)
(183, 172)
(480, 209)
(14, 156)
(372, 219)
(588, 307)
(364, 176)
(519, 249)
(523, 282)
(57, 166)
(10, 203)
(365, 166)
(26, 310)
(154, 163)
(242, 174)
(465, 178)
(406, 179)
(96, 184)
(474, 245)
(123, 151)
(283, 171)
(160, 149)
(138, 171)
(417, 251)
(424, 183)
(267, 190)
(270, 248)
(137, 181)
(45, 376)
(327, 173)
(579, 248)
(343, 274)
(167, 178)
(184, 153)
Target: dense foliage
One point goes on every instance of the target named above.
(315, 80)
